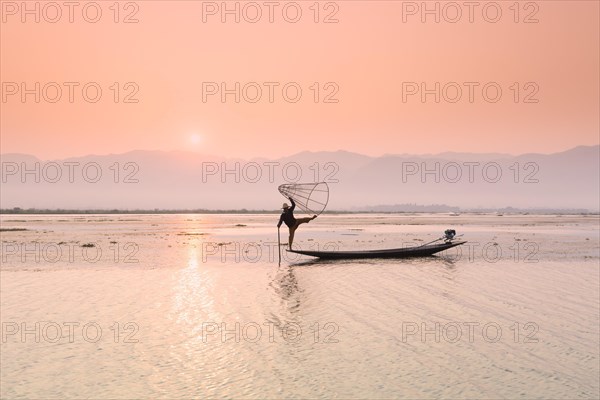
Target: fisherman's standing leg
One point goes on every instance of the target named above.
(292, 231)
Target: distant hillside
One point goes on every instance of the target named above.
(184, 180)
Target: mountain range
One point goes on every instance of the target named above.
(187, 180)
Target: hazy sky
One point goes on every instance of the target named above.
(374, 62)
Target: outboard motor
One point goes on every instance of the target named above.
(449, 234)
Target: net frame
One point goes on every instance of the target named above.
(306, 194)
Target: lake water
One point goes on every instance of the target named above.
(180, 306)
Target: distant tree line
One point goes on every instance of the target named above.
(389, 209)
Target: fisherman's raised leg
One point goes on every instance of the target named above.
(304, 220)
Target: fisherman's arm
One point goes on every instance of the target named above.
(293, 204)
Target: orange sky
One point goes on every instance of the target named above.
(368, 55)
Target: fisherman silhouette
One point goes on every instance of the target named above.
(287, 217)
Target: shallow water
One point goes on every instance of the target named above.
(169, 306)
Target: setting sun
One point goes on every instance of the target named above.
(195, 138)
